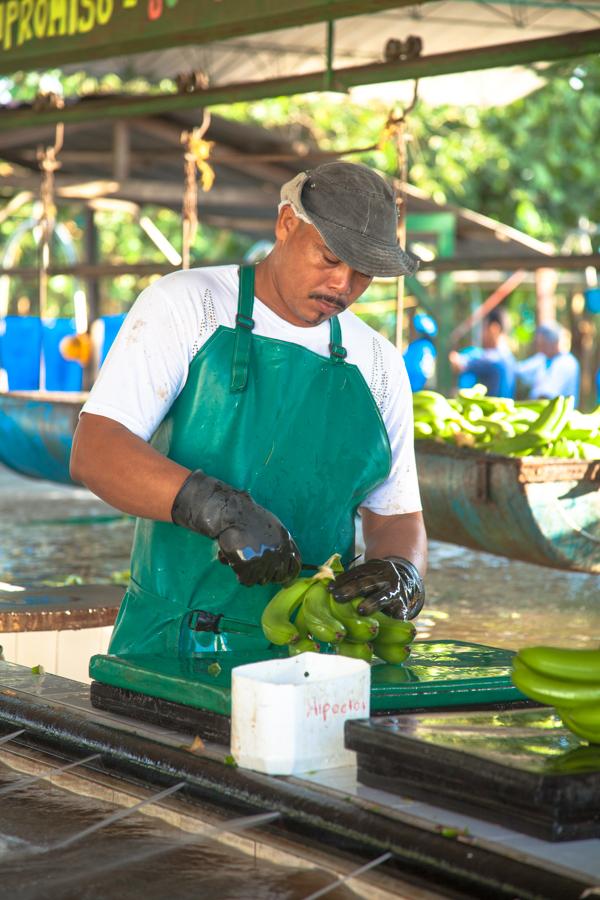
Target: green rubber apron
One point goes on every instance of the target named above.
(299, 431)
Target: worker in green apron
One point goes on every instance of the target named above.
(264, 449)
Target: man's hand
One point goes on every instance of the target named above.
(251, 540)
(392, 585)
(456, 361)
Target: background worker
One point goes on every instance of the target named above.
(551, 371)
(245, 415)
(494, 366)
(421, 353)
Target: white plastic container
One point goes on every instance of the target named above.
(287, 715)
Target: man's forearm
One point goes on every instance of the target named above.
(123, 469)
(402, 535)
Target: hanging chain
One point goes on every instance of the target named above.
(49, 164)
(395, 130)
(195, 160)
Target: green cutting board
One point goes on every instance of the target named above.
(438, 674)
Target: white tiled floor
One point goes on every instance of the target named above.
(65, 653)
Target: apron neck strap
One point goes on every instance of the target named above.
(337, 353)
(244, 323)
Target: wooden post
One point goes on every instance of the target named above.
(92, 293)
(545, 287)
(121, 151)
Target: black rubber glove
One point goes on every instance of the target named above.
(392, 585)
(251, 540)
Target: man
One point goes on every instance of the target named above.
(551, 371)
(251, 408)
(420, 355)
(494, 366)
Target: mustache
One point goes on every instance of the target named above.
(329, 298)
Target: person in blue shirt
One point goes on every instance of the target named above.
(494, 365)
(421, 353)
(551, 371)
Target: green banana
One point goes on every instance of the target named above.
(304, 645)
(557, 662)
(500, 428)
(423, 430)
(391, 653)
(586, 716)
(547, 427)
(300, 623)
(394, 631)
(322, 625)
(571, 719)
(275, 619)
(536, 405)
(553, 419)
(359, 629)
(567, 694)
(524, 414)
(524, 444)
(472, 410)
(434, 408)
(356, 651)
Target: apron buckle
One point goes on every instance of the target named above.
(244, 321)
(202, 620)
(338, 351)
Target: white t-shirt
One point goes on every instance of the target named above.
(147, 365)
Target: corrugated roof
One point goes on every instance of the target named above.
(443, 26)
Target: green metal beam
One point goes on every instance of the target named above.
(541, 50)
(45, 34)
(434, 223)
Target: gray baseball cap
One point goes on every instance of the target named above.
(354, 210)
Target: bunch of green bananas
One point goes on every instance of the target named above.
(566, 679)
(508, 427)
(304, 615)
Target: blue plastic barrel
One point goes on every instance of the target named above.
(61, 374)
(20, 349)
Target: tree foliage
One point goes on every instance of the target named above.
(531, 164)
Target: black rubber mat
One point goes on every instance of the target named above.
(519, 768)
(210, 726)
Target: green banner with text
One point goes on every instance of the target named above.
(38, 34)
